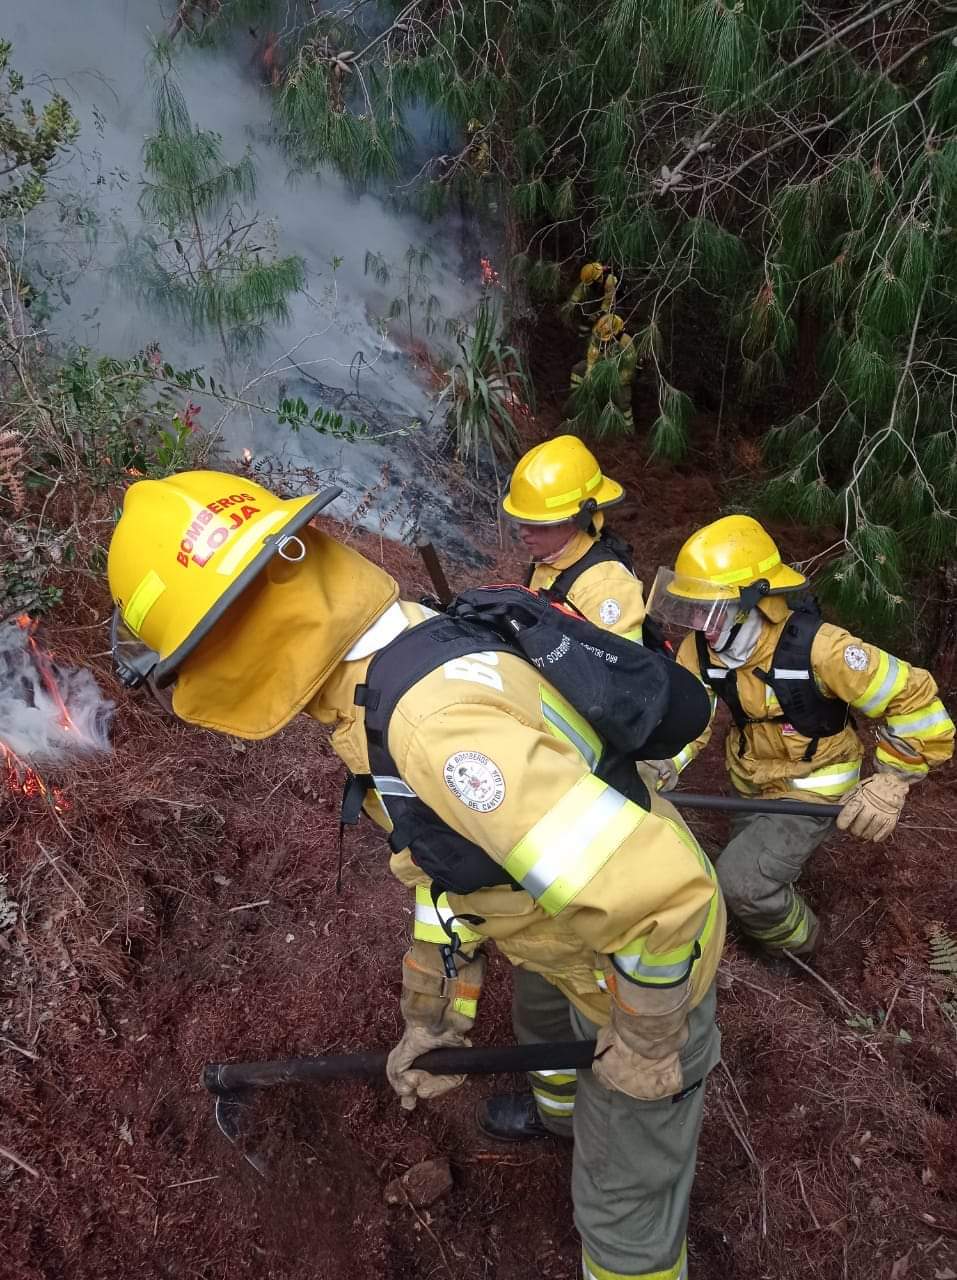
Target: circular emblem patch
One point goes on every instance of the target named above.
(609, 611)
(855, 657)
(475, 779)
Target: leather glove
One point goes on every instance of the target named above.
(872, 809)
(438, 1012)
(667, 774)
(412, 1085)
(638, 1052)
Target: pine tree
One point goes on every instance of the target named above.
(781, 177)
(206, 259)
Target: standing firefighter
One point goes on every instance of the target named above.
(557, 497)
(592, 297)
(609, 910)
(793, 685)
(606, 374)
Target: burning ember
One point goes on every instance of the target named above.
(490, 277)
(48, 713)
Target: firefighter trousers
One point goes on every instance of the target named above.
(757, 869)
(633, 1162)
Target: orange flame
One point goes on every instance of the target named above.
(45, 668)
(23, 780)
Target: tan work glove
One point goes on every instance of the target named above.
(666, 772)
(638, 1052)
(872, 809)
(434, 1018)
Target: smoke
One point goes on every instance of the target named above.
(48, 713)
(96, 52)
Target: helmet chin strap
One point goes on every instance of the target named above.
(748, 599)
(583, 520)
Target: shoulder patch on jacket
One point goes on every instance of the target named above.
(855, 657)
(609, 611)
(475, 780)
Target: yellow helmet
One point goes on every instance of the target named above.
(708, 584)
(735, 552)
(608, 327)
(555, 481)
(591, 272)
(183, 550)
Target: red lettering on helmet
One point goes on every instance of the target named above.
(186, 545)
(236, 498)
(204, 517)
(213, 506)
(217, 538)
(248, 512)
(183, 559)
(235, 520)
(202, 561)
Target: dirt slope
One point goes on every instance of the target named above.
(828, 1150)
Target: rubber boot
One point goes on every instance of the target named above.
(510, 1117)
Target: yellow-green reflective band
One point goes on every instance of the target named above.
(927, 722)
(562, 499)
(744, 575)
(565, 723)
(886, 683)
(145, 595)
(918, 768)
(428, 925)
(553, 1106)
(650, 970)
(684, 757)
(637, 635)
(592, 1271)
(832, 780)
(792, 931)
(572, 842)
(468, 1008)
(600, 979)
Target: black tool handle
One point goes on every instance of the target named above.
(747, 804)
(222, 1077)
(430, 559)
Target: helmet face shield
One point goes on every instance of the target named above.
(681, 603)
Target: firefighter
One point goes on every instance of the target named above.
(794, 686)
(608, 341)
(592, 297)
(557, 497)
(609, 911)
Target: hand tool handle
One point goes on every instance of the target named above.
(747, 804)
(443, 592)
(222, 1077)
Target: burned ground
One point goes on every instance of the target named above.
(829, 1144)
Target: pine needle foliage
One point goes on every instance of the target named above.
(204, 258)
(787, 170)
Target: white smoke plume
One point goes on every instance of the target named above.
(49, 714)
(97, 52)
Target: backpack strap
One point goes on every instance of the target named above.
(723, 682)
(605, 548)
(792, 679)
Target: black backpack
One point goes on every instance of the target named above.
(642, 705)
(606, 548)
(792, 679)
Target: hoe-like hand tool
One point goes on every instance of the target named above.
(230, 1082)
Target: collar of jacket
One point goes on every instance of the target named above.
(335, 704)
(573, 550)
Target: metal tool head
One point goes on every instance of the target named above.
(228, 1112)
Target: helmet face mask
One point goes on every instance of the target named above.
(681, 603)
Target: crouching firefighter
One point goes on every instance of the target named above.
(501, 822)
(557, 498)
(793, 685)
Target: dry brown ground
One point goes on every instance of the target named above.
(828, 1149)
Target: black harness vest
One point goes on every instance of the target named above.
(792, 679)
(451, 861)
